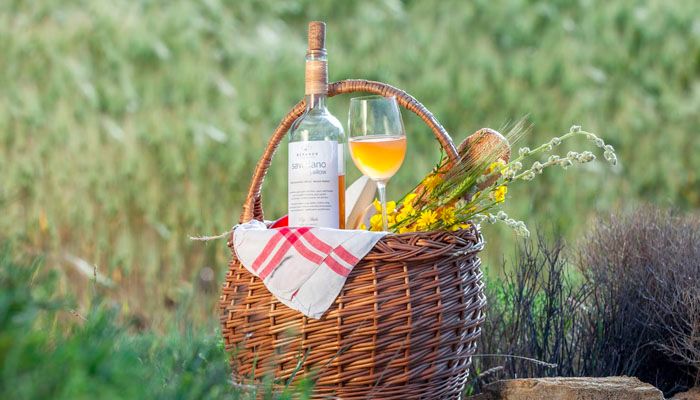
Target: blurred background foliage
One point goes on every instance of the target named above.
(48, 350)
(126, 126)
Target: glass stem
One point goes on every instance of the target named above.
(381, 188)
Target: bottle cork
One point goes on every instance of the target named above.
(316, 64)
(317, 36)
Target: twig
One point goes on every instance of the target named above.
(490, 371)
(532, 360)
(88, 270)
(208, 238)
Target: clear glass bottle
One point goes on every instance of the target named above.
(316, 184)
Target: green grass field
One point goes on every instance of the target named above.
(127, 126)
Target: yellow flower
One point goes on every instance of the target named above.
(390, 206)
(375, 222)
(447, 215)
(409, 199)
(460, 226)
(494, 165)
(405, 213)
(401, 216)
(499, 194)
(363, 227)
(405, 229)
(427, 218)
(431, 181)
(406, 208)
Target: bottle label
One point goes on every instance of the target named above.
(313, 184)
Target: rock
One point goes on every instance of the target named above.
(611, 388)
(692, 394)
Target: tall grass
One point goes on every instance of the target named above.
(50, 350)
(127, 126)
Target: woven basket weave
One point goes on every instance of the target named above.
(405, 324)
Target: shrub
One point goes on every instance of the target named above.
(534, 312)
(630, 307)
(643, 269)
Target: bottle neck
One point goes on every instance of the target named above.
(316, 101)
(316, 86)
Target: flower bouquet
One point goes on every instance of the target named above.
(451, 197)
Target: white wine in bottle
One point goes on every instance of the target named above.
(316, 180)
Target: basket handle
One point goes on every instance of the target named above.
(252, 208)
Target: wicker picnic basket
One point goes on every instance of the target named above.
(405, 324)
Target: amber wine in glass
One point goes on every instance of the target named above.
(377, 141)
(378, 157)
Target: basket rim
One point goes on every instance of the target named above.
(472, 225)
(419, 233)
(419, 247)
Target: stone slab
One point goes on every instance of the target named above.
(609, 388)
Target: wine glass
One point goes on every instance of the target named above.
(377, 141)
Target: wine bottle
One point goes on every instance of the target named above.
(316, 184)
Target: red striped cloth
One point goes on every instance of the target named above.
(305, 268)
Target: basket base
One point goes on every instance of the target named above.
(428, 391)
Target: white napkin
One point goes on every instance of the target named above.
(305, 268)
